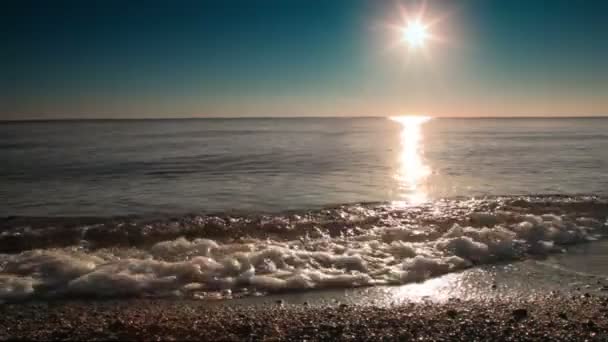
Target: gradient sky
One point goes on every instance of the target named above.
(165, 59)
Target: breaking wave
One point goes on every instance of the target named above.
(228, 255)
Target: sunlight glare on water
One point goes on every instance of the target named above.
(412, 170)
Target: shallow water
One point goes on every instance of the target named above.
(232, 208)
(226, 256)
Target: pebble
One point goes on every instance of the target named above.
(468, 320)
(519, 313)
(591, 325)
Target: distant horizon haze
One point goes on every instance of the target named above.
(142, 118)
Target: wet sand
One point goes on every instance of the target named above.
(554, 316)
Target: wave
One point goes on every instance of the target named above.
(227, 255)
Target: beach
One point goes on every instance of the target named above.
(553, 317)
(509, 302)
(344, 170)
(304, 229)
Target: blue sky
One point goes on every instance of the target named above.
(132, 59)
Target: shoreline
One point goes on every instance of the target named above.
(555, 317)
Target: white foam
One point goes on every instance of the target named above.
(12, 287)
(382, 255)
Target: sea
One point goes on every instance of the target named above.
(217, 209)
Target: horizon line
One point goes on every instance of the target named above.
(302, 117)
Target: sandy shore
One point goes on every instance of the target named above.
(556, 317)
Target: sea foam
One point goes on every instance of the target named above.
(400, 245)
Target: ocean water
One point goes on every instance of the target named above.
(235, 207)
(108, 168)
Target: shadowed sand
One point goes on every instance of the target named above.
(555, 317)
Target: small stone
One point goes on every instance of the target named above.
(520, 314)
(494, 286)
(116, 325)
(591, 325)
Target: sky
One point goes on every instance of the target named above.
(169, 59)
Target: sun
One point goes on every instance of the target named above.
(419, 29)
(415, 33)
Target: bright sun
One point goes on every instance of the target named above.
(415, 33)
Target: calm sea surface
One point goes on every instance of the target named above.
(106, 168)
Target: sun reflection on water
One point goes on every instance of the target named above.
(412, 170)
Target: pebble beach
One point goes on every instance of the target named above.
(552, 317)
